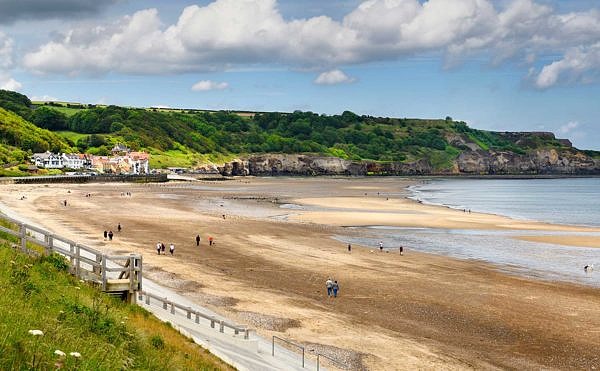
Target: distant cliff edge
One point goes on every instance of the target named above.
(472, 160)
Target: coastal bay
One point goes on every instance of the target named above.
(274, 250)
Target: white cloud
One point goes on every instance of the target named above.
(231, 33)
(568, 127)
(6, 51)
(44, 98)
(206, 85)
(333, 77)
(580, 64)
(8, 83)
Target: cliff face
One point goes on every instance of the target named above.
(545, 161)
(473, 162)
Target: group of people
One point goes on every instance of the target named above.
(400, 249)
(332, 287)
(128, 194)
(210, 240)
(160, 247)
(109, 234)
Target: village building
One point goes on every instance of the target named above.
(123, 161)
(49, 160)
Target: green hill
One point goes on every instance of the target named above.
(38, 294)
(188, 138)
(20, 138)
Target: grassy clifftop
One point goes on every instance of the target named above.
(38, 294)
(187, 138)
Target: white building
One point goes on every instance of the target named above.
(76, 161)
(48, 160)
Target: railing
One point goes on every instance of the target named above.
(190, 312)
(319, 355)
(337, 363)
(287, 342)
(86, 263)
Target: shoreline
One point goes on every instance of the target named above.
(449, 313)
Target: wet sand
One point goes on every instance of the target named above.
(268, 267)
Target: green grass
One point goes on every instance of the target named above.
(38, 294)
(443, 160)
(71, 135)
(476, 140)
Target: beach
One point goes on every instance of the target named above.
(274, 250)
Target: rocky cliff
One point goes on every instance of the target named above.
(470, 161)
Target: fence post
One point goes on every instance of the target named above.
(222, 327)
(103, 272)
(72, 251)
(50, 247)
(77, 261)
(172, 308)
(131, 273)
(189, 313)
(247, 334)
(138, 274)
(318, 362)
(273, 347)
(302, 357)
(23, 236)
(95, 269)
(165, 304)
(197, 318)
(147, 299)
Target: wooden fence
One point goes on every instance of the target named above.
(89, 264)
(194, 315)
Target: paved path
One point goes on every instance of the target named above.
(253, 354)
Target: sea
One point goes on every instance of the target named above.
(573, 201)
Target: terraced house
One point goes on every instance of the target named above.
(51, 160)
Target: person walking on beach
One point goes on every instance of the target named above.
(210, 241)
(335, 288)
(198, 240)
(349, 248)
(401, 249)
(105, 235)
(172, 248)
(110, 235)
(381, 246)
(65, 202)
(158, 246)
(119, 227)
(162, 247)
(329, 286)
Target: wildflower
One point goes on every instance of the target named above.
(77, 287)
(59, 353)
(36, 332)
(82, 281)
(75, 354)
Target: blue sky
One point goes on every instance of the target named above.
(512, 65)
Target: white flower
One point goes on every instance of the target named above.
(59, 353)
(77, 288)
(36, 332)
(75, 354)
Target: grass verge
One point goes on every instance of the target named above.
(82, 328)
